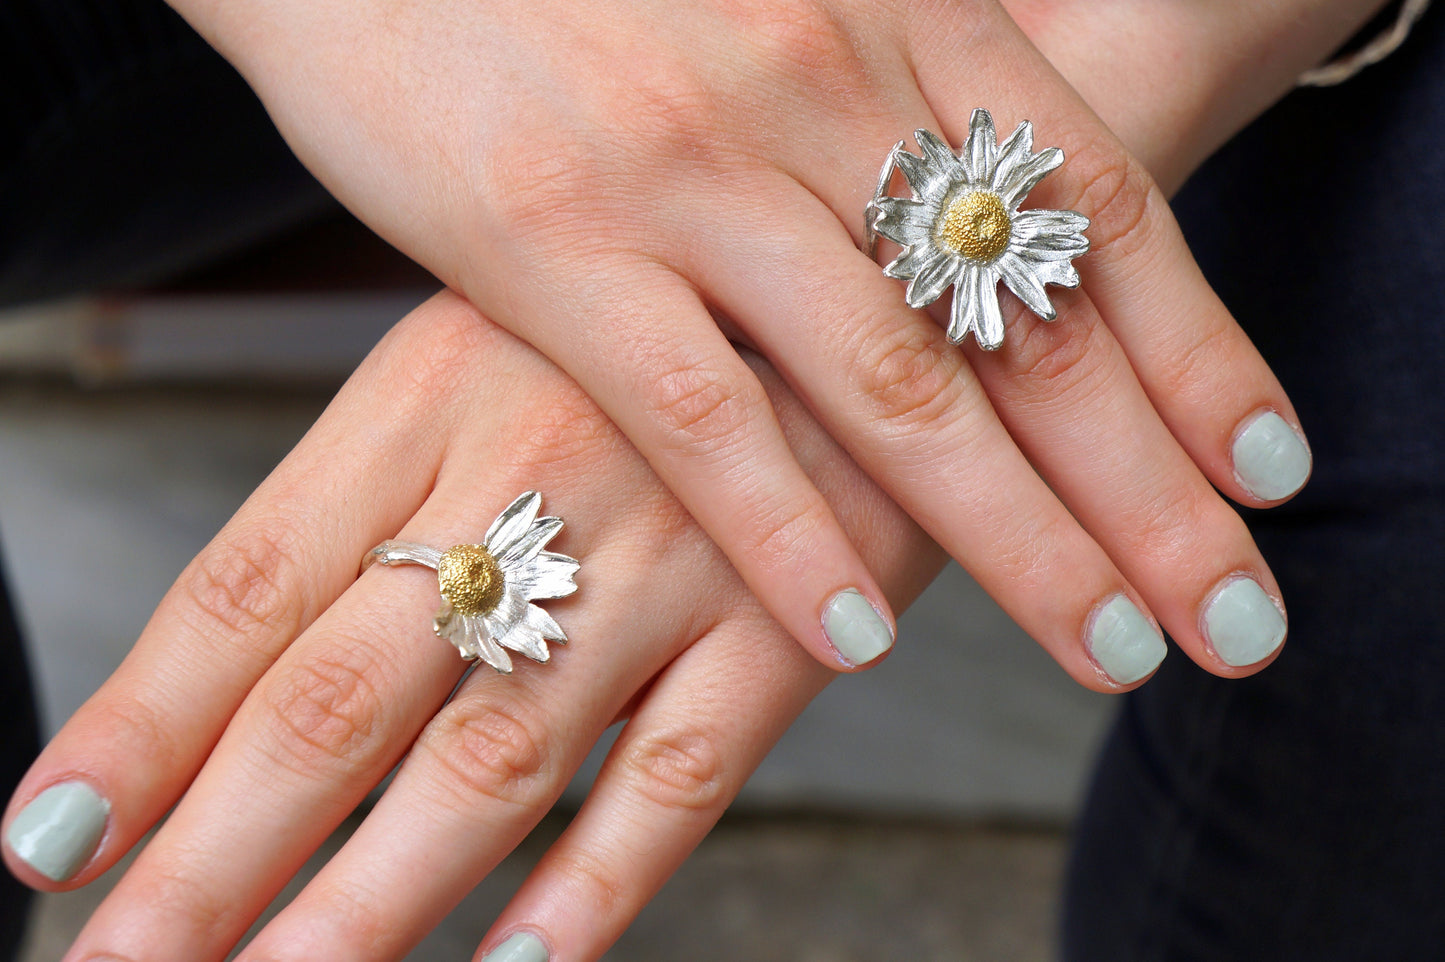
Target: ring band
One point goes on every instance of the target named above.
(963, 227)
(487, 589)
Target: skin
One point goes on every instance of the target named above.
(605, 179)
(274, 688)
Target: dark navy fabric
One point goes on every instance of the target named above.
(1300, 814)
(129, 150)
(19, 742)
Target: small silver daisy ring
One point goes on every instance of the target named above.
(963, 227)
(487, 589)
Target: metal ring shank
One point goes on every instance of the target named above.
(402, 553)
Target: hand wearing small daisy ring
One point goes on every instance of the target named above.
(274, 688)
(710, 161)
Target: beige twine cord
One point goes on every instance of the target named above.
(1338, 71)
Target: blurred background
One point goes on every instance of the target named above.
(918, 811)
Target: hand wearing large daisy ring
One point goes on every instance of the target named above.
(704, 169)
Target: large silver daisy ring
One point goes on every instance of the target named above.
(487, 589)
(963, 227)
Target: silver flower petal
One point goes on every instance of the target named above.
(1051, 247)
(913, 261)
(902, 221)
(526, 545)
(981, 148)
(960, 320)
(485, 647)
(512, 523)
(932, 280)
(982, 313)
(1026, 176)
(473, 641)
(1030, 225)
(1015, 150)
(1020, 279)
(509, 611)
(527, 640)
(923, 178)
(1058, 273)
(545, 625)
(937, 154)
(548, 576)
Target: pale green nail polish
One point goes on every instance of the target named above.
(1125, 643)
(56, 834)
(1242, 623)
(522, 947)
(1270, 458)
(854, 629)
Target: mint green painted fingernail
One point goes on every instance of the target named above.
(1270, 458)
(1125, 643)
(854, 629)
(522, 947)
(1242, 623)
(56, 834)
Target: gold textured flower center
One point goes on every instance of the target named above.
(470, 579)
(977, 226)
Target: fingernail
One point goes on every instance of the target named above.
(522, 947)
(1125, 643)
(854, 629)
(1242, 623)
(56, 834)
(1270, 458)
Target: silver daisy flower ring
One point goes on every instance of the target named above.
(963, 227)
(487, 589)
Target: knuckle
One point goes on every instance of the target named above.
(910, 377)
(352, 904)
(568, 433)
(327, 708)
(1026, 548)
(1167, 528)
(1120, 199)
(246, 585)
(175, 884)
(776, 541)
(809, 42)
(664, 105)
(677, 769)
(1191, 372)
(1056, 356)
(140, 731)
(496, 753)
(590, 879)
(700, 408)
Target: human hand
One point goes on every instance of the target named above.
(599, 177)
(274, 689)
